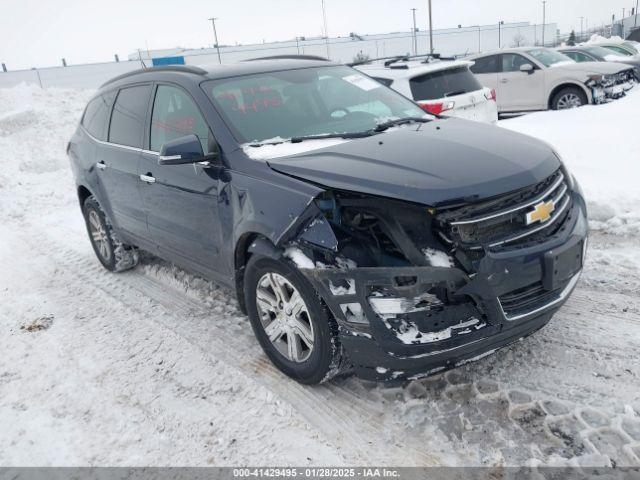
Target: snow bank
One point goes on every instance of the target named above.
(35, 126)
(600, 145)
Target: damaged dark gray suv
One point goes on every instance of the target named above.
(359, 233)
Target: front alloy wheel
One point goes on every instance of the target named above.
(294, 328)
(285, 317)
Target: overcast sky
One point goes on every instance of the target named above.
(41, 32)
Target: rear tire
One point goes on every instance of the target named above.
(276, 322)
(113, 254)
(569, 97)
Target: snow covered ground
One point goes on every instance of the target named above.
(157, 367)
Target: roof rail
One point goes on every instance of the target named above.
(166, 68)
(389, 61)
(289, 57)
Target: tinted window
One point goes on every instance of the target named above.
(445, 83)
(485, 65)
(578, 56)
(311, 101)
(549, 57)
(96, 116)
(512, 62)
(176, 115)
(385, 81)
(619, 50)
(129, 112)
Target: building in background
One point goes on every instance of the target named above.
(459, 41)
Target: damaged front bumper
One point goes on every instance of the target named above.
(406, 322)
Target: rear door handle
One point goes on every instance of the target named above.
(147, 178)
(504, 80)
(101, 165)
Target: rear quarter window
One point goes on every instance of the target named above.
(444, 83)
(485, 65)
(96, 115)
(128, 117)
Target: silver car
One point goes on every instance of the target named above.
(533, 78)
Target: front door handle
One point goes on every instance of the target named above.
(147, 178)
(101, 165)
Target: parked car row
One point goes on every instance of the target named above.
(513, 80)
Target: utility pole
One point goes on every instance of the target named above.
(635, 22)
(326, 30)
(415, 38)
(500, 23)
(430, 30)
(581, 28)
(544, 19)
(479, 40)
(215, 36)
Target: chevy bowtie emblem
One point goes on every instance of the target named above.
(541, 212)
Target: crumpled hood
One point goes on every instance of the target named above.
(595, 68)
(434, 163)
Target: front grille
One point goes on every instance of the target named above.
(503, 220)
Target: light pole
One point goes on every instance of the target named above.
(415, 39)
(326, 32)
(215, 36)
(635, 22)
(430, 30)
(544, 20)
(581, 28)
(500, 23)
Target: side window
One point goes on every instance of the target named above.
(129, 112)
(96, 115)
(485, 65)
(511, 62)
(176, 115)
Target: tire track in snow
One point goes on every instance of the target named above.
(351, 421)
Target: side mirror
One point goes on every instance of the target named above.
(527, 68)
(184, 150)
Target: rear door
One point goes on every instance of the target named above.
(517, 90)
(181, 200)
(486, 70)
(119, 158)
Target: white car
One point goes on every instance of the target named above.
(440, 87)
(534, 78)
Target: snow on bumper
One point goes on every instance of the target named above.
(399, 322)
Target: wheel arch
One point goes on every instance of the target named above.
(563, 85)
(248, 244)
(83, 193)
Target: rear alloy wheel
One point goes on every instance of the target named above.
(112, 253)
(294, 328)
(571, 97)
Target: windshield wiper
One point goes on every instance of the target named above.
(399, 121)
(454, 93)
(331, 135)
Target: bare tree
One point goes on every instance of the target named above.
(361, 57)
(518, 40)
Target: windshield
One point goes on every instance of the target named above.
(277, 106)
(622, 51)
(599, 52)
(549, 57)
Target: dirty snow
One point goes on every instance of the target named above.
(438, 258)
(157, 366)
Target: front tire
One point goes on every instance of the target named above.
(293, 327)
(570, 97)
(113, 254)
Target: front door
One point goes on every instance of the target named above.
(518, 90)
(118, 159)
(181, 200)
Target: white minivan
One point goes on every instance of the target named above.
(440, 87)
